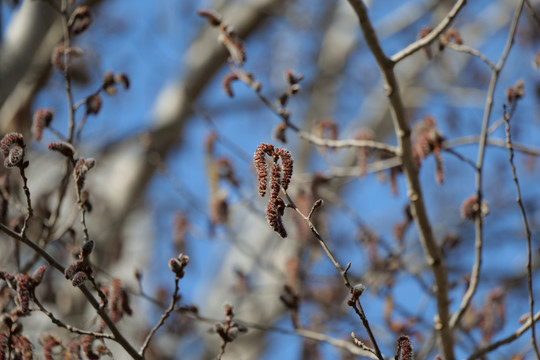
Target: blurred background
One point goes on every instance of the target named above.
(174, 170)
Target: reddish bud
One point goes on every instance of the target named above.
(42, 119)
(38, 275)
(234, 46)
(470, 208)
(12, 147)
(280, 132)
(404, 349)
(63, 148)
(93, 104)
(80, 20)
(287, 164)
(274, 211)
(226, 83)
(108, 83)
(123, 79)
(57, 57)
(212, 16)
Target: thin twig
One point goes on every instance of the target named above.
(507, 340)
(478, 244)
(429, 38)
(284, 114)
(68, 327)
(343, 272)
(533, 13)
(507, 117)
(467, 140)
(30, 211)
(471, 51)
(174, 300)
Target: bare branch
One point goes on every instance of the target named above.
(429, 38)
(475, 274)
(403, 133)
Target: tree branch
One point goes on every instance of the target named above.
(431, 249)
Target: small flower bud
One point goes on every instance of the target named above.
(63, 148)
(79, 279)
(87, 248)
(38, 275)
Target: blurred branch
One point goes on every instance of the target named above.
(534, 15)
(475, 273)
(507, 116)
(429, 38)
(403, 133)
(471, 51)
(118, 337)
(507, 340)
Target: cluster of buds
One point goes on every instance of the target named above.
(24, 285)
(227, 36)
(12, 147)
(15, 344)
(42, 119)
(427, 139)
(229, 329)
(110, 80)
(58, 56)
(404, 349)
(280, 178)
(80, 271)
(516, 92)
(178, 264)
(470, 208)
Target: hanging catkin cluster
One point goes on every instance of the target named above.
(280, 176)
